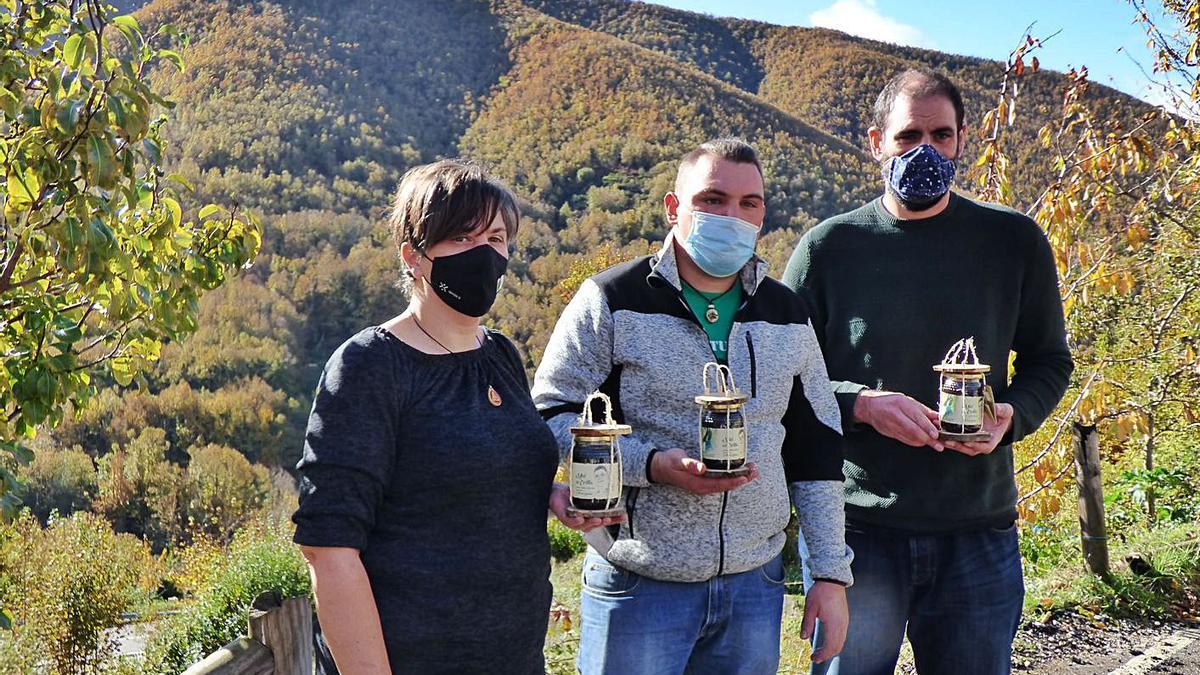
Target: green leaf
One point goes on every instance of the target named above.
(209, 211)
(23, 188)
(153, 151)
(173, 57)
(130, 29)
(143, 294)
(68, 116)
(74, 51)
(173, 209)
(72, 232)
(117, 107)
(122, 370)
(182, 181)
(101, 161)
(68, 335)
(9, 103)
(140, 243)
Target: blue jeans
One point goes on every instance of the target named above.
(958, 595)
(634, 625)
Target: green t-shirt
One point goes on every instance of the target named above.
(726, 304)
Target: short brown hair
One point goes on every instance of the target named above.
(729, 149)
(917, 83)
(439, 201)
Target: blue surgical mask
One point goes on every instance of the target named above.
(919, 177)
(720, 245)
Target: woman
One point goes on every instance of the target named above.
(427, 471)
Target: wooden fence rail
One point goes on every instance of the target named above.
(279, 642)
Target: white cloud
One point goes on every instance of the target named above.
(862, 18)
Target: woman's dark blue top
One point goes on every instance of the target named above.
(444, 495)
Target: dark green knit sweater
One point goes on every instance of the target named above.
(890, 297)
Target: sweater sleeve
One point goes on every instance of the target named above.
(812, 444)
(1042, 367)
(812, 457)
(820, 510)
(801, 277)
(577, 362)
(349, 446)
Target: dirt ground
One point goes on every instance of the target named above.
(1071, 644)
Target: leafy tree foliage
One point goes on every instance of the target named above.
(98, 265)
(1123, 218)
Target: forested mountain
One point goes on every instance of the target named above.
(827, 78)
(308, 112)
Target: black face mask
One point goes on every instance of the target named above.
(468, 281)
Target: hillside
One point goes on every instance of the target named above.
(581, 110)
(296, 106)
(344, 99)
(827, 78)
(308, 111)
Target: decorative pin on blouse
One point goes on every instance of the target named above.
(964, 395)
(494, 396)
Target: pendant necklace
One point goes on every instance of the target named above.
(493, 396)
(711, 314)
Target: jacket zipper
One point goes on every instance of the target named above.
(721, 534)
(631, 503)
(753, 367)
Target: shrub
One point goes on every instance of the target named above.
(565, 543)
(140, 491)
(261, 558)
(70, 582)
(223, 490)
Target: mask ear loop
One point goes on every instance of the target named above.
(420, 251)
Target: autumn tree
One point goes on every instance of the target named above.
(1121, 209)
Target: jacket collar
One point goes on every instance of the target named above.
(664, 268)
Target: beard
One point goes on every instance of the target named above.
(917, 205)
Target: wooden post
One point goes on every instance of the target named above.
(286, 629)
(1092, 529)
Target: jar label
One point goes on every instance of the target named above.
(595, 481)
(962, 410)
(723, 445)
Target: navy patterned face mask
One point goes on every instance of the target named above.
(919, 177)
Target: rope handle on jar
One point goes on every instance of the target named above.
(614, 457)
(963, 353)
(725, 383)
(586, 417)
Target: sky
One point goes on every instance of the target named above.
(1099, 34)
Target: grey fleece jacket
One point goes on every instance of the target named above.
(629, 333)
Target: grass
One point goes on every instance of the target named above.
(1155, 573)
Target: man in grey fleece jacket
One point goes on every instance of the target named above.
(693, 579)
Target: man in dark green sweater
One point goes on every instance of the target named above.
(893, 285)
